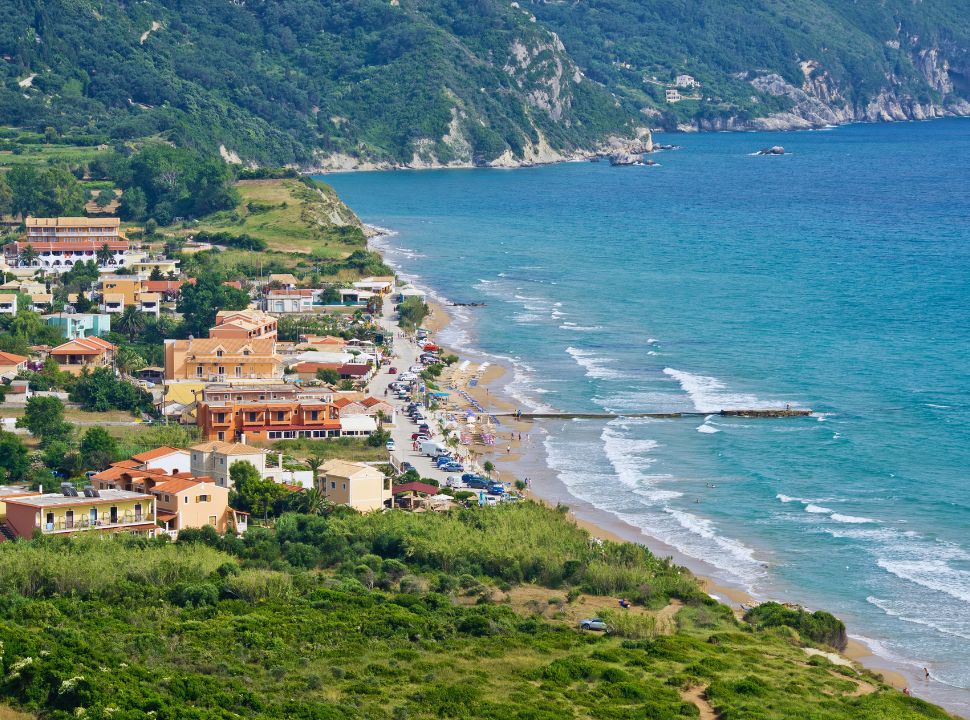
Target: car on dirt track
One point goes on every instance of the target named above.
(594, 624)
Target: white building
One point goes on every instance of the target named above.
(686, 81)
(216, 458)
(59, 243)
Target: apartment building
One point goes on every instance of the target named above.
(244, 324)
(57, 244)
(71, 511)
(222, 359)
(268, 420)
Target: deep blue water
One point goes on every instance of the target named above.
(835, 278)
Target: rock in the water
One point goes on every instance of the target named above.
(773, 150)
(626, 159)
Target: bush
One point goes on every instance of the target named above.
(820, 626)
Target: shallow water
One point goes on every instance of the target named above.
(835, 278)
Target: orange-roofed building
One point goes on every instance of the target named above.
(268, 420)
(166, 459)
(222, 359)
(59, 243)
(244, 324)
(194, 503)
(11, 364)
(90, 352)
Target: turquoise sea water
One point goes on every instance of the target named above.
(835, 278)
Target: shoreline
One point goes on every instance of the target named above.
(604, 527)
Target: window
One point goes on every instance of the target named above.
(221, 435)
(222, 370)
(203, 498)
(333, 485)
(212, 519)
(313, 414)
(251, 416)
(280, 415)
(166, 497)
(344, 486)
(186, 502)
(219, 353)
(198, 371)
(238, 370)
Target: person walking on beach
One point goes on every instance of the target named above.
(508, 449)
(927, 673)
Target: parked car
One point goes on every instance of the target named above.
(476, 482)
(405, 466)
(419, 436)
(452, 467)
(496, 489)
(392, 370)
(452, 481)
(594, 624)
(389, 445)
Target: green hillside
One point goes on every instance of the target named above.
(412, 82)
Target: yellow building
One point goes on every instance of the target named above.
(194, 503)
(222, 359)
(360, 486)
(128, 287)
(65, 513)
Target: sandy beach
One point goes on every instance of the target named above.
(516, 447)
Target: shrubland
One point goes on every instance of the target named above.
(388, 616)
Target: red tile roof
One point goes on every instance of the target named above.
(156, 453)
(418, 487)
(11, 359)
(92, 345)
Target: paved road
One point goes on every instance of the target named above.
(407, 354)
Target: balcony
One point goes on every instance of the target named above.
(85, 523)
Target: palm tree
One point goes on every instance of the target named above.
(131, 323)
(314, 462)
(314, 502)
(104, 255)
(27, 256)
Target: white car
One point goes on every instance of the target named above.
(390, 445)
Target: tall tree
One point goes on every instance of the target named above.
(14, 462)
(98, 448)
(131, 323)
(104, 255)
(44, 418)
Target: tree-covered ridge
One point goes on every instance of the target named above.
(845, 53)
(443, 81)
(285, 80)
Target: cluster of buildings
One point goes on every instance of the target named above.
(241, 386)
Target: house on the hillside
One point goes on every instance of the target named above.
(358, 485)
(88, 352)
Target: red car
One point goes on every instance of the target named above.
(420, 436)
(392, 371)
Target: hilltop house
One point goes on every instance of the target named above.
(216, 458)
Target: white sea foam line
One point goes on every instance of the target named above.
(689, 534)
(595, 366)
(887, 608)
(851, 519)
(818, 509)
(580, 328)
(711, 395)
(931, 573)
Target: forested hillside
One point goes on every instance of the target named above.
(414, 82)
(807, 63)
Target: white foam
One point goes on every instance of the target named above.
(852, 519)
(811, 508)
(711, 395)
(595, 366)
(888, 608)
(787, 498)
(707, 428)
(932, 573)
(580, 328)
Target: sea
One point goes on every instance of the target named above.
(835, 277)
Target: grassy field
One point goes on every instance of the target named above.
(41, 154)
(290, 217)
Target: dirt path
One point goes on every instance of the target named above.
(666, 618)
(696, 696)
(862, 687)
